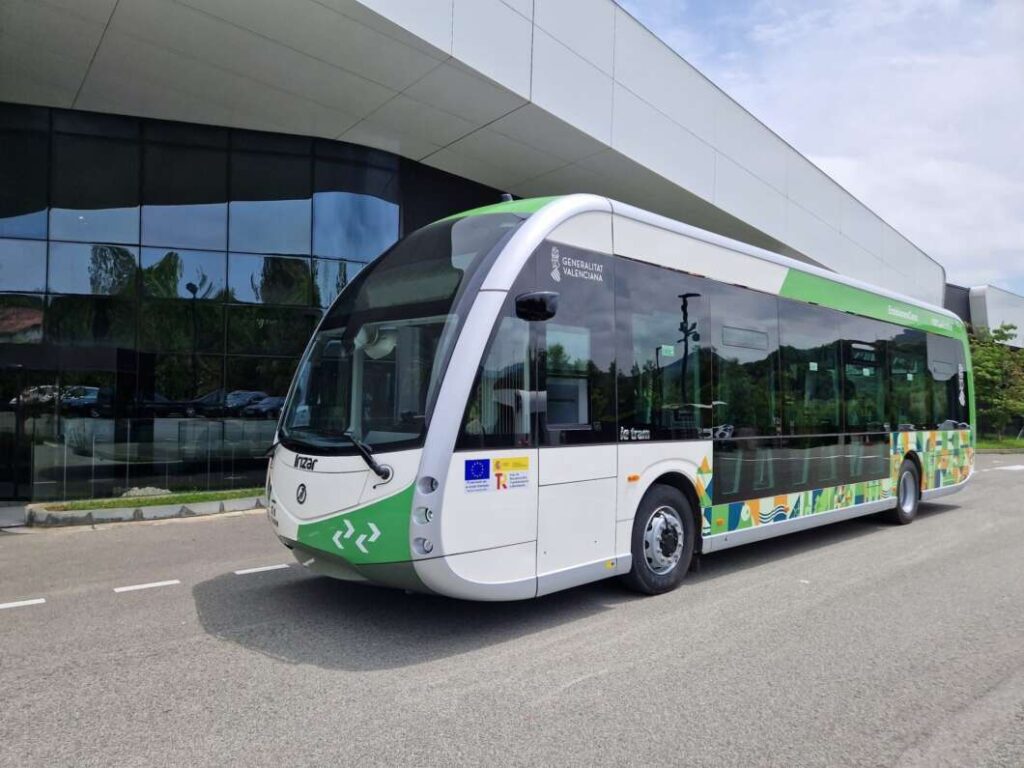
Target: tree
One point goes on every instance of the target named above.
(998, 377)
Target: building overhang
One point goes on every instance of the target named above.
(523, 96)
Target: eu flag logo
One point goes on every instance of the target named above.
(478, 469)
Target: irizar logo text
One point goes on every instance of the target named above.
(305, 462)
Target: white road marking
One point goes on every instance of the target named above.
(261, 569)
(1011, 468)
(21, 603)
(151, 585)
(309, 562)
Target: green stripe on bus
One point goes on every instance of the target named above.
(828, 293)
(528, 206)
(376, 533)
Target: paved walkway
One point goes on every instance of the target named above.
(12, 516)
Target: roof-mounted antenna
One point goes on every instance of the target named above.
(506, 197)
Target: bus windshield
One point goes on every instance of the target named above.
(375, 363)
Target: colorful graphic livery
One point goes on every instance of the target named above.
(543, 393)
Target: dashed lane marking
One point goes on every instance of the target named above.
(151, 585)
(261, 569)
(23, 603)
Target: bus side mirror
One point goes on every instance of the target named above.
(537, 305)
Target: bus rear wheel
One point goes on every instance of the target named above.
(908, 494)
(664, 534)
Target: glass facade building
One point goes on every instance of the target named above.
(158, 282)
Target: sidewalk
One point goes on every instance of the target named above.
(12, 516)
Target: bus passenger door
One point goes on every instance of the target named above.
(575, 353)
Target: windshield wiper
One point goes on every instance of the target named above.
(384, 473)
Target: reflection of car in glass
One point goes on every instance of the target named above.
(267, 408)
(37, 395)
(80, 400)
(217, 403)
(240, 398)
(158, 406)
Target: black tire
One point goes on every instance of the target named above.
(653, 575)
(908, 494)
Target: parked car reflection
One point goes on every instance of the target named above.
(267, 408)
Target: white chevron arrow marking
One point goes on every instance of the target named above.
(376, 533)
(337, 540)
(351, 530)
(359, 543)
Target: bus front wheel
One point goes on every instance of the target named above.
(664, 534)
(908, 494)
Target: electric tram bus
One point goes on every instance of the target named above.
(543, 393)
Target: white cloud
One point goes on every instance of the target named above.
(915, 106)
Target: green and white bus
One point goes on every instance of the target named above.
(543, 393)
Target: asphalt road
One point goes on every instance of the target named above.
(857, 644)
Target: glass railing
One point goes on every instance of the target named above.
(74, 458)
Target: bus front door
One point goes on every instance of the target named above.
(576, 423)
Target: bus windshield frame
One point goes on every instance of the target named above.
(373, 368)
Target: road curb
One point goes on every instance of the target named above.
(999, 451)
(38, 516)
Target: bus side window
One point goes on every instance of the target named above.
(908, 362)
(576, 348)
(948, 383)
(662, 358)
(499, 412)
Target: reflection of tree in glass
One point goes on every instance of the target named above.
(163, 278)
(282, 281)
(111, 270)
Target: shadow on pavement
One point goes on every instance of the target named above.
(303, 619)
(298, 618)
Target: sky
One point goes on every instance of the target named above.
(914, 106)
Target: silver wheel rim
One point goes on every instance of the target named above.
(908, 493)
(663, 540)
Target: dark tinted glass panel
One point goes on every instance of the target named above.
(179, 385)
(664, 370)
(23, 172)
(948, 384)
(429, 194)
(269, 279)
(744, 338)
(809, 346)
(24, 118)
(271, 142)
(22, 265)
(95, 189)
(185, 197)
(97, 269)
(21, 319)
(865, 382)
(867, 457)
(268, 377)
(186, 133)
(747, 469)
(89, 321)
(329, 277)
(577, 347)
(908, 371)
(95, 124)
(183, 274)
(355, 213)
(269, 330)
(270, 210)
(176, 325)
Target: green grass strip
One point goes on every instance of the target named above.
(185, 497)
(997, 443)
